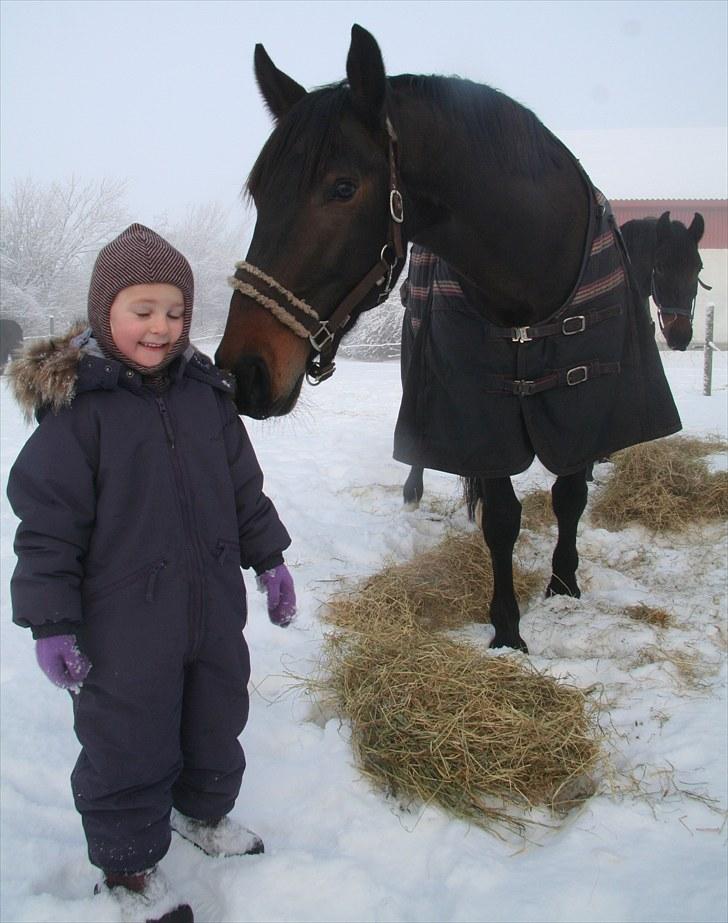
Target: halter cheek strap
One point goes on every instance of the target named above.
(324, 335)
(678, 310)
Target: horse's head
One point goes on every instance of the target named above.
(675, 272)
(322, 190)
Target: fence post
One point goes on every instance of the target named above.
(51, 324)
(708, 348)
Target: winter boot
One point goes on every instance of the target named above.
(221, 836)
(144, 897)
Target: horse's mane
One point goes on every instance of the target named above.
(504, 132)
(639, 238)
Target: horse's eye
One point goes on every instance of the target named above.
(343, 189)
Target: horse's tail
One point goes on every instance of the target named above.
(473, 494)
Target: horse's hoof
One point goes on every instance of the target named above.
(411, 505)
(559, 587)
(518, 645)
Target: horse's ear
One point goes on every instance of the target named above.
(279, 91)
(697, 228)
(663, 226)
(367, 79)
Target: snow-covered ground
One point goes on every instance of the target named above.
(336, 849)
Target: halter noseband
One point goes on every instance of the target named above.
(679, 310)
(325, 335)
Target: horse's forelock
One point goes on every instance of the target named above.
(311, 128)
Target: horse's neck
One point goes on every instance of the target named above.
(640, 239)
(518, 240)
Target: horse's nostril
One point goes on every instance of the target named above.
(253, 392)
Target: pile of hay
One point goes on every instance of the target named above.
(438, 721)
(446, 587)
(664, 485)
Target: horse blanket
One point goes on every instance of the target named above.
(482, 400)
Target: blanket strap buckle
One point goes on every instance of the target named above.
(577, 375)
(520, 335)
(572, 325)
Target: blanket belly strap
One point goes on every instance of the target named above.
(576, 323)
(559, 378)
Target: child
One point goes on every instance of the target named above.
(140, 497)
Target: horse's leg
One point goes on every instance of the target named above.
(501, 525)
(413, 487)
(568, 496)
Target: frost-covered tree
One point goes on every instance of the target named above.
(378, 333)
(212, 241)
(49, 234)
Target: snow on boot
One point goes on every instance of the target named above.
(144, 897)
(219, 837)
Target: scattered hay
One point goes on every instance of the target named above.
(652, 615)
(537, 511)
(664, 485)
(688, 668)
(699, 447)
(438, 721)
(446, 587)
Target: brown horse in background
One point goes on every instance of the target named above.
(666, 265)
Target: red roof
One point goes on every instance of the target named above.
(714, 212)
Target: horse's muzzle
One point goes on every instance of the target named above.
(254, 393)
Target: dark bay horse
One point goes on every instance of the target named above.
(666, 265)
(349, 175)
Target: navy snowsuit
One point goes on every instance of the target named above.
(138, 509)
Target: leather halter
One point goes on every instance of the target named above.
(324, 335)
(679, 309)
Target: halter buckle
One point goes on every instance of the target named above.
(396, 205)
(520, 335)
(316, 374)
(321, 338)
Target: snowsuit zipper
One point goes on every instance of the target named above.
(152, 581)
(196, 571)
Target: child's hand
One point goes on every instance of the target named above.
(62, 662)
(278, 584)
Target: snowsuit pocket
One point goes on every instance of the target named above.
(227, 577)
(146, 575)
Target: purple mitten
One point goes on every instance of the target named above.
(62, 662)
(278, 584)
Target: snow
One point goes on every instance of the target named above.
(650, 845)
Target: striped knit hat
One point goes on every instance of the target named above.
(138, 256)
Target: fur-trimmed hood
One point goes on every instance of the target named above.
(43, 375)
(48, 374)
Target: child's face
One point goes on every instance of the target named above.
(146, 320)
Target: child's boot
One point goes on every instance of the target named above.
(144, 897)
(221, 836)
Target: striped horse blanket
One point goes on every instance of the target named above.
(483, 400)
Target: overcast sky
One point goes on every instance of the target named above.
(163, 93)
